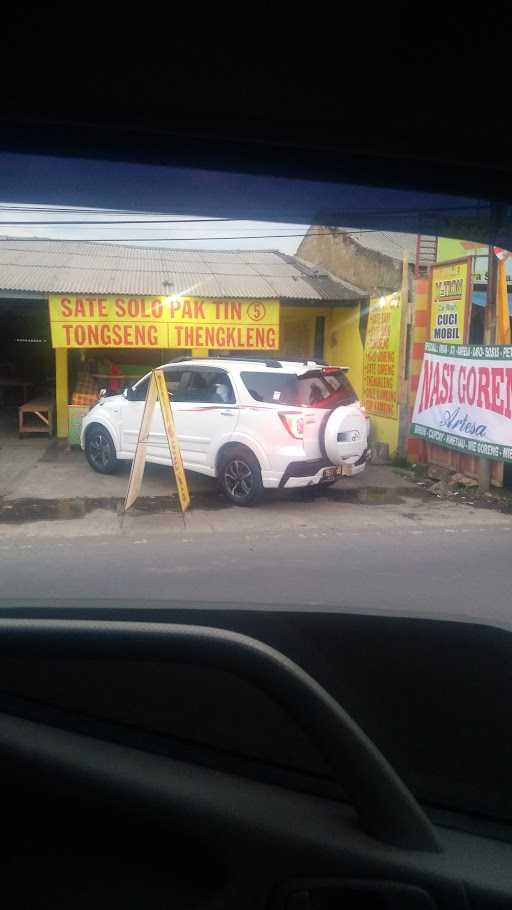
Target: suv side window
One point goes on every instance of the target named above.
(202, 385)
(176, 381)
(272, 387)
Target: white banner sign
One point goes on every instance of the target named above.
(464, 399)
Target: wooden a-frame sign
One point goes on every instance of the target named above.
(157, 391)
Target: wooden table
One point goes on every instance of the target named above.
(44, 409)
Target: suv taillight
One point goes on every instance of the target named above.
(293, 423)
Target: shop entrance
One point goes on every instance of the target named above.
(94, 369)
(27, 362)
(82, 370)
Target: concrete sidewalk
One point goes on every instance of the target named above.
(36, 468)
(18, 461)
(49, 493)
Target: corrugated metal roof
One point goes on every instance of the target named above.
(49, 266)
(388, 243)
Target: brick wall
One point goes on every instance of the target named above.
(339, 254)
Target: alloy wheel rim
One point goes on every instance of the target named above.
(99, 448)
(238, 478)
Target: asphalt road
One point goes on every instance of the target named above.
(420, 557)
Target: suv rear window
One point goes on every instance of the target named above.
(314, 389)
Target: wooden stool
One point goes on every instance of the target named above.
(43, 408)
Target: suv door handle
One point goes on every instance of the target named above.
(228, 413)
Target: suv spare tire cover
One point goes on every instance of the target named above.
(344, 434)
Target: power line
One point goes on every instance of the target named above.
(108, 240)
(159, 253)
(136, 214)
(335, 215)
(84, 209)
(85, 223)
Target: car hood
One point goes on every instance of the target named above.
(110, 400)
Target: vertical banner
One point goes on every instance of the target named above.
(382, 356)
(157, 391)
(450, 301)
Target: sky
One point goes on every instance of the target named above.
(176, 231)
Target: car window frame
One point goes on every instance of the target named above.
(216, 371)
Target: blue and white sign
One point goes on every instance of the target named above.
(464, 399)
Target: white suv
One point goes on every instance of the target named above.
(253, 424)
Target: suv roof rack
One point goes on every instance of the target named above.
(268, 362)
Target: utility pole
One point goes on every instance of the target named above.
(490, 304)
(484, 468)
(403, 385)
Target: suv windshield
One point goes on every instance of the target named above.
(315, 389)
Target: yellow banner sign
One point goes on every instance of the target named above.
(450, 301)
(163, 322)
(382, 356)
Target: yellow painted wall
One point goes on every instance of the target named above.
(343, 347)
(297, 330)
(458, 249)
(385, 430)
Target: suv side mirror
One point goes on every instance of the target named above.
(129, 393)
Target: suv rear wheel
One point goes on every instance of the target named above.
(240, 477)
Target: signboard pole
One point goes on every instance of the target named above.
(484, 464)
(172, 439)
(138, 463)
(157, 390)
(403, 406)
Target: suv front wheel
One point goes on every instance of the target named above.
(100, 450)
(240, 477)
